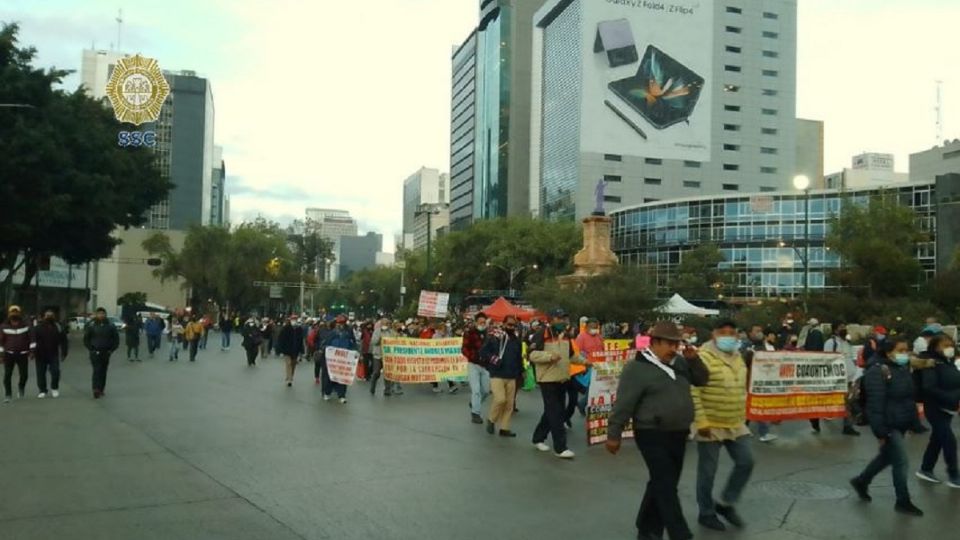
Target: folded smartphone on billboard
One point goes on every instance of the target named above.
(663, 91)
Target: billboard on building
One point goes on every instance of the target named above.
(647, 78)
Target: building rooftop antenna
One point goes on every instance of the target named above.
(119, 20)
(939, 111)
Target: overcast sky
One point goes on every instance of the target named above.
(334, 103)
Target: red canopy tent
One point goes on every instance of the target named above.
(502, 307)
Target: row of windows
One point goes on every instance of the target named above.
(765, 72)
(766, 33)
(734, 88)
(738, 11)
(736, 108)
(766, 53)
(764, 131)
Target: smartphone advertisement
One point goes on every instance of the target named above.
(647, 78)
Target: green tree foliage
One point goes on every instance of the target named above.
(65, 184)
(222, 264)
(877, 243)
(507, 244)
(309, 248)
(698, 274)
(626, 294)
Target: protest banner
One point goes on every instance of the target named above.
(409, 360)
(433, 304)
(342, 365)
(617, 344)
(602, 392)
(796, 385)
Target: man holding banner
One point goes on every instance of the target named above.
(340, 337)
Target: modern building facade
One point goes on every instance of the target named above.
(218, 187)
(729, 128)
(333, 225)
(433, 220)
(500, 123)
(427, 187)
(185, 135)
(358, 253)
(867, 169)
(763, 235)
(463, 97)
(926, 166)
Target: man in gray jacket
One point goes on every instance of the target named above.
(654, 392)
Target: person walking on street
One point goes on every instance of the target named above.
(891, 411)
(251, 341)
(719, 418)
(839, 342)
(176, 338)
(17, 345)
(941, 399)
(131, 331)
(551, 357)
(319, 357)
(342, 337)
(655, 392)
(477, 374)
(101, 338)
(226, 328)
(193, 333)
(287, 347)
(52, 345)
(154, 330)
(588, 343)
(503, 353)
(266, 332)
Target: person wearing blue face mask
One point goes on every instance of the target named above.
(720, 420)
(891, 411)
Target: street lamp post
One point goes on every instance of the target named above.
(801, 182)
(430, 210)
(512, 273)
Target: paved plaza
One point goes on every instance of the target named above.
(219, 450)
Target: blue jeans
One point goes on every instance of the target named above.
(709, 453)
(225, 339)
(479, 379)
(763, 428)
(893, 453)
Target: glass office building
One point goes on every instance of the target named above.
(763, 236)
(492, 130)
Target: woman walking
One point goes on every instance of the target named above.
(941, 399)
(251, 341)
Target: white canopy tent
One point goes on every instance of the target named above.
(677, 305)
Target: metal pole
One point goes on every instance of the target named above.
(402, 286)
(429, 272)
(806, 245)
(302, 270)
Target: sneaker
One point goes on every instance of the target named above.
(908, 508)
(861, 489)
(41, 395)
(6, 399)
(712, 522)
(454, 390)
(769, 437)
(326, 398)
(490, 426)
(954, 483)
(850, 431)
(928, 476)
(541, 446)
(55, 393)
(729, 513)
(343, 401)
(475, 418)
(436, 390)
(566, 454)
(507, 433)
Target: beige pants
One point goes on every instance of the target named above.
(291, 366)
(501, 408)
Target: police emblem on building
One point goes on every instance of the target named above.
(137, 89)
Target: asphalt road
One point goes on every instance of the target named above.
(219, 450)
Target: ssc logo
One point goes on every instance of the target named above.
(137, 89)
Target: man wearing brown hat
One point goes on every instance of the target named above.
(654, 392)
(17, 345)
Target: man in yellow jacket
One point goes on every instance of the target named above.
(720, 421)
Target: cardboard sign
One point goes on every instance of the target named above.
(342, 365)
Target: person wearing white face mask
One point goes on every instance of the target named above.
(720, 421)
(587, 343)
(940, 385)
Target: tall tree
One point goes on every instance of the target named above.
(877, 243)
(698, 275)
(625, 294)
(65, 184)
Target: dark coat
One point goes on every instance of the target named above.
(941, 384)
(51, 340)
(814, 340)
(510, 364)
(287, 341)
(890, 401)
(252, 338)
(101, 336)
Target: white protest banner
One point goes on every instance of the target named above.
(602, 392)
(797, 385)
(433, 304)
(342, 365)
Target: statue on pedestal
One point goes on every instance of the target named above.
(601, 187)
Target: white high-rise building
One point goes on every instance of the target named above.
(661, 103)
(95, 70)
(425, 187)
(333, 225)
(869, 169)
